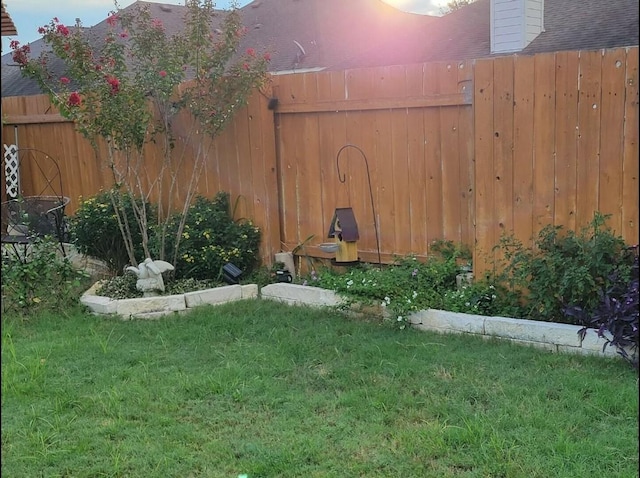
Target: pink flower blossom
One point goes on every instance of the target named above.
(267, 56)
(74, 99)
(42, 30)
(112, 19)
(20, 53)
(251, 52)
(155, 23)
(162, 73)
(115, 84)
(124, 35)
(62, 30)
(64, 80)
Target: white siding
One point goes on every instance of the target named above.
(515, 23)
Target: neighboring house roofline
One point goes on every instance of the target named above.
(316, 35)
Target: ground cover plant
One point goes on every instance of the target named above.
(265, 389)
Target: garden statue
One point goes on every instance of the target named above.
(149, 274)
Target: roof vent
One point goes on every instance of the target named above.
(165, 8)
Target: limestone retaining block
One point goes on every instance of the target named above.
(296, 294)
(145, 305)
(218, 295)
(533, 331)
(99, 304)
(444, 321)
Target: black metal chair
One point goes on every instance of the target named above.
(29, 217)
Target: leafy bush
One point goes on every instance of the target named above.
(564, 268)
(617, 315)
(210, 239)
(96, 233)
(44, 281)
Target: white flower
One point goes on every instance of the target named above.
(399, 318)
(349, 282)
(387, 300)
(415, 294)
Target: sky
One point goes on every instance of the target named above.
(29, 15)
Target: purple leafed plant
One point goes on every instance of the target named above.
(616, 316)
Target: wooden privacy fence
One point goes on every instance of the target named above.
(464, 151)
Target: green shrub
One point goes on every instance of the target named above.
(95, 231)
(564, 268)
(45, 281)
(210, 239)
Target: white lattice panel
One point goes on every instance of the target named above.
(12, 170)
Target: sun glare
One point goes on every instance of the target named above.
(430, 7)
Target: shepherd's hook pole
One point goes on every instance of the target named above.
(343, 179)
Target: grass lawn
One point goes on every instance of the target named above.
(268, 390)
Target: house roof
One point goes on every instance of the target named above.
(304, 35)
(8, 28)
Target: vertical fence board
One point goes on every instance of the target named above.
(612, 134)
(503, 144)
(589, 108)
(566, 118)
(416, 165)
(400, 163)
(486, 227)
(630, 195)
(382, 162)
(450, 159)
(433, 158)
(543, 141)
(465, 156)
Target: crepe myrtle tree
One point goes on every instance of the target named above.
(127, 87)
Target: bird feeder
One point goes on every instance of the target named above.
(344, 230)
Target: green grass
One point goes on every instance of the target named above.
(268, 390)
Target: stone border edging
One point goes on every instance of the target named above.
(155, 307)
(551, 336)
